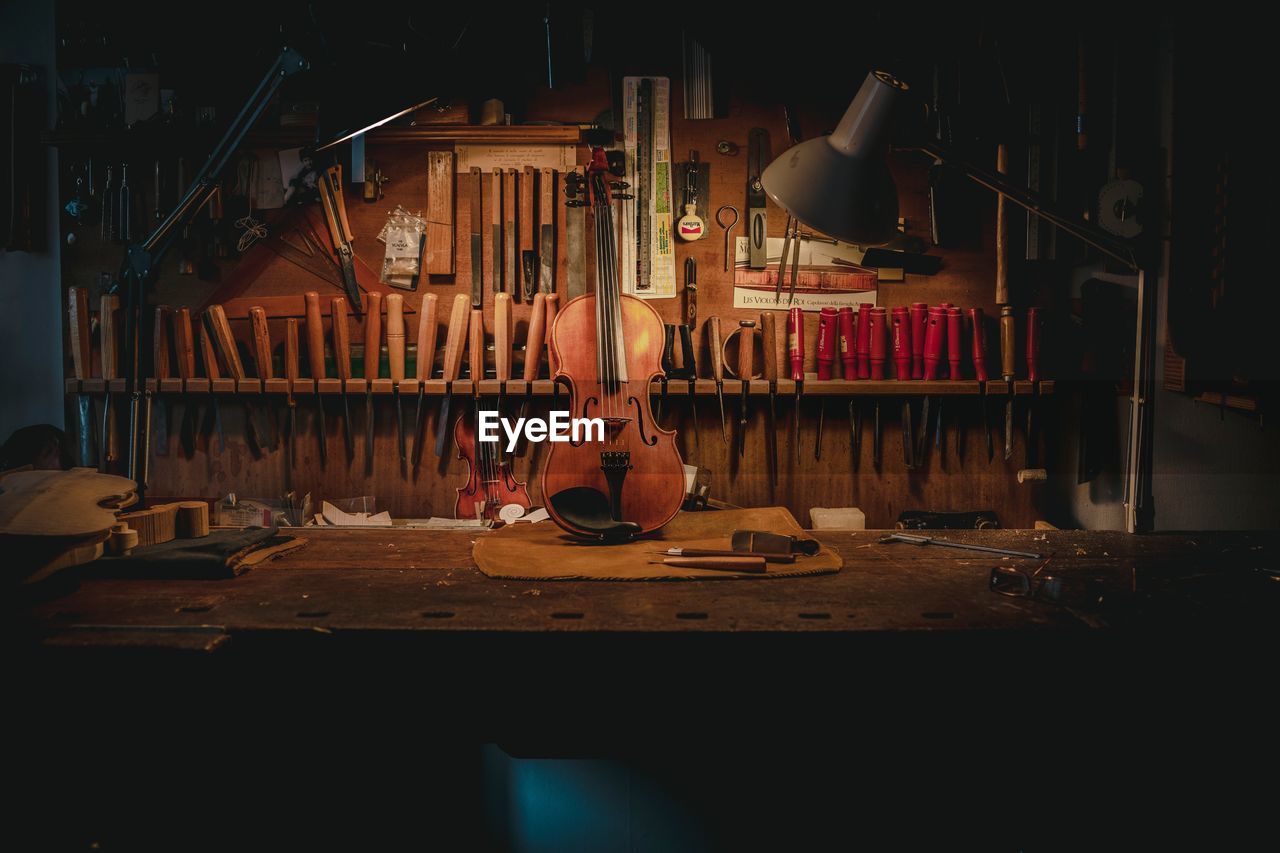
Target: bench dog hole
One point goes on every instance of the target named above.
(566, 615)
(691, 615)
(437, 614)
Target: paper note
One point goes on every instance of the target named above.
(513, 156)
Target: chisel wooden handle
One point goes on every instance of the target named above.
(456, 335)
(502, 326)
(261, 342)
(183, 344)
(475, 347)
(372, 334)
(428, 328)
(341, 337)
(107, 329)
(746, 349)
(225, 342)
(81, 344)
(769, 340)
(160, 343)
(1002, 232)
(753, 564)
(1008, 357)
(536, 337)
(395, 336)
(315, 334)
(207, 352)
(291, 365)
(553, 308)
(713, 344)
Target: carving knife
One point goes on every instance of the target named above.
(82, 360)
(335, 214)
(395, 364)
(477, 240)
(452, 365)
(547, 231)
(315, 361)
(342, 360)
(372, 356)
(424, 361)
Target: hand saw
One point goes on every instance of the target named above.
(335, 214)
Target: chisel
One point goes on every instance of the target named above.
(528, 252)
(477, 240)
(935, 330)
(503, 329)
(110, 354)
(827, 334)
(846, 325)
(746, 367)
(717, 370)
(184, 348)
(372, 357)
(453, 349)
(225, 344)
(879, 353)
(1035, 331)
(547, 231)
(395, 367)
(750, 564)
(493, 254)
(263, 366)
(335, 211)
(82, 362)
(342, 362)
(291, 375)
(510, 267)
(211, 372)
(955, 338)
(315, 361)
(535, 337)
(902, 364)
(795, 356)
(769, 338)
(1007, 362)
(725, 552)
(978, 343)
(160, 370)
(424, 363)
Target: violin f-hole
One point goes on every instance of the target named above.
(648, 440)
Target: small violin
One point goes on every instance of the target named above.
(607, 348)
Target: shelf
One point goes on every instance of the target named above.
(163, 135)
(545, 388)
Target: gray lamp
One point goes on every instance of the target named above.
(840, 184)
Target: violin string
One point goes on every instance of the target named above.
(605, 273)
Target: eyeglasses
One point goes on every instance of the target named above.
(1070, 589)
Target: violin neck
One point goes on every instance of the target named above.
(611, 347)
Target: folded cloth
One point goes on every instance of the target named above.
(221, 554)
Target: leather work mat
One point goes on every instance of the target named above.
(545, 552)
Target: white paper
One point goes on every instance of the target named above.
(338, 518)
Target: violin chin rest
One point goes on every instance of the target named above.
(587, 510)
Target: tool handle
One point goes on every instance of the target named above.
(535, 337)
(207, 352)
(746, 350)
(879, 343)
(1034, 333)
(341, 337)
(160, 343)
(502, 326)
(714, 344)
(954, 340)
(291, 366)
(795, 344)
(862, 345)
(934, 337)
(225, 342)
(475, 348)
(826, 342)
(1002, 231)
(769, 339)
(848, 341)
(978, 344)
(553, 308)
(919, 312)
(690, 292)
(183, 344)
(456, 335)
(753, 564)
(81, 343)
(372, 334)
(901, 321)
(395, 336)
(546, 197)
(261, 342)
(315, 334)
(107, 317)
(1008, 358)
(428, 328)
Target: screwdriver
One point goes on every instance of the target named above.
(795, 354)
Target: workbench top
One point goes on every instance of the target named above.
(419, 584)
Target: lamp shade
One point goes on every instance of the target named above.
(840, 184)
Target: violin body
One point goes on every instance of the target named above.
(490, 483)
(652, 489)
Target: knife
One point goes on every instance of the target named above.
(335, 214)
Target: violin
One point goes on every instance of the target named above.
(490, 484)
(606, 347)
